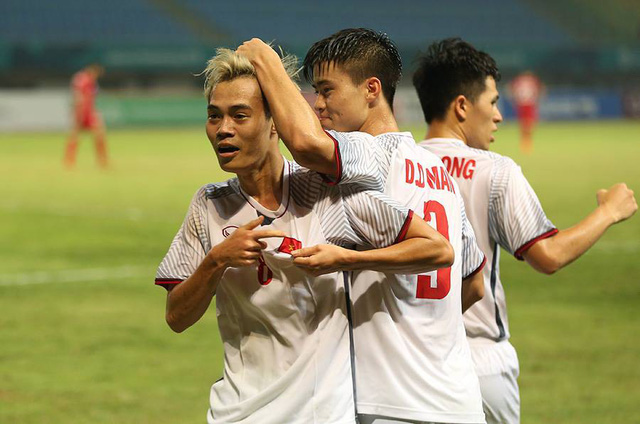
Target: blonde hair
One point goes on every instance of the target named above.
(228, 65)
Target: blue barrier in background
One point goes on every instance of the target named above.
(569, 105)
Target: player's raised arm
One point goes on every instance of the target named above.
(189, 300)
(551, 254)
(295, 120)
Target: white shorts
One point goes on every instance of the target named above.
(498, 369)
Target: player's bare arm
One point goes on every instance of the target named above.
(295, 120)
(614, 205)
(188, 301)
(472, 290)
(422, 250)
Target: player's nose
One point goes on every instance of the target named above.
(498, 116)
(319, 104)
(225, 128)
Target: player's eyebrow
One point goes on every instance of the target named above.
(233, 108)
(316, 84)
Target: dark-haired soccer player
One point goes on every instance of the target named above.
(285, 333)
(84, 86)
(456, 85)
(412, 360)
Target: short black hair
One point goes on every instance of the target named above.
(451, 67)
(363, 53)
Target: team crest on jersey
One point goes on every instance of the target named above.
(227, 231)
(289, 244)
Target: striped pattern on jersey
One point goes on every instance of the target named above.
(504, 211)
(366, 161)
(473, 259)
(516, 217)
(285, 334)
(409, 334)
(349, 217)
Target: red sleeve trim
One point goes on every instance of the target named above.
(530, 243)
(480, 268)
(326, 179)
(405, 228)
(167, 282)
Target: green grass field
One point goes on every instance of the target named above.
(83, 337)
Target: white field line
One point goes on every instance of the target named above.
(75, 275)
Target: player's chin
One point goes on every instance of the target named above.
(328, 125)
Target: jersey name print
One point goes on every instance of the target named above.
(412, 358)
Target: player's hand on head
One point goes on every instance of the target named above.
(618, 201)
(243, 247)
(321, 259)
(257, 50)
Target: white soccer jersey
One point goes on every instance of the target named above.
(504, 211)
(287, 355)
(412, 357)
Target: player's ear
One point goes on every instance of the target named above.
(374, 89)
(460, 107)
(273, 131)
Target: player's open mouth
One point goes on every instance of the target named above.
(227, 150)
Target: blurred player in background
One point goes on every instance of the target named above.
(456, 85)
(525, 90)
(285, 333)
(84, 87)
(412, 360)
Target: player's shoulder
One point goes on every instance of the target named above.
(349, 135)
(220, 190)
(393, 140)
(455, 147)
(299, 173)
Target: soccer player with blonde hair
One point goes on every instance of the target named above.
(256, 241)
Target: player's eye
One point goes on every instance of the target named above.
(241, 116)
(214, 116)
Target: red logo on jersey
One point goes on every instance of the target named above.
(226, 231)
(289, 245)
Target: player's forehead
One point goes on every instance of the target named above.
(238, 92)
(490, 90)
(330, 73)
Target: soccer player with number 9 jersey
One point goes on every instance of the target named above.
(285, 333)
(413, 362)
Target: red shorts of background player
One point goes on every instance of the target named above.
(87, 119)
(527, 114)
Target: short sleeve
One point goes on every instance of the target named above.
(473, 259)
(189, 246)
(359, 156)
(378, 219)
(516, 218)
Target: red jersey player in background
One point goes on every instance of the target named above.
(525, 90)
(84, 86)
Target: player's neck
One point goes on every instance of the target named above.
(440, 129)
(380, 121)
(264, 183)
